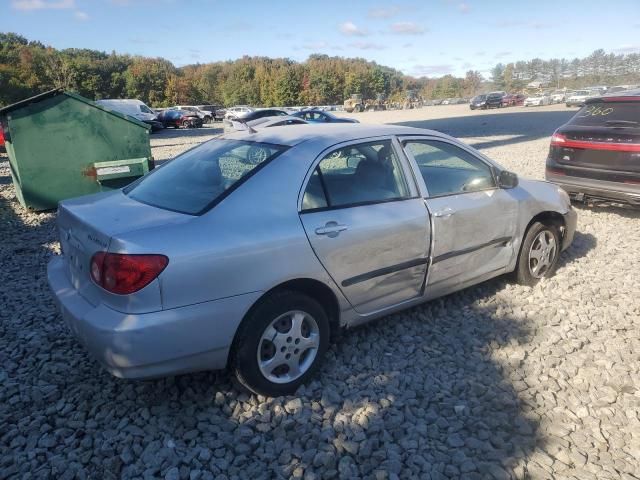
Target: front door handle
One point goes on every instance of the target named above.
(444, 213)
(331, 229)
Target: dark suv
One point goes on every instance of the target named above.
(494, 100)
(596, 155)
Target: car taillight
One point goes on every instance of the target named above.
(126, 273)
(557, 139)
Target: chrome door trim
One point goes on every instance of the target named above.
(363, 277)
(502, 241)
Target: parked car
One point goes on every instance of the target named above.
(204, 115)
(579, 97)
(537, 100)
(596, 154)
(508, 100)
(558, 96)
(216, 111)
(318, 116)
(494, 100)
(519, 99)
(135, 108)
(238, 111)
(358, 230)
(479, 101)
(264, 112)
(267, 122)
(180, 118)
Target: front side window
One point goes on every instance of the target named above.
(357, 174)
(196, 180)
(448, 169)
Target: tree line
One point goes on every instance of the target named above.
(30, 67)
(599, 68)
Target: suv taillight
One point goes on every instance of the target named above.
(557, 139)
(126, 273)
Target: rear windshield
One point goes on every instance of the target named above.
(195, 181)
(613, 114)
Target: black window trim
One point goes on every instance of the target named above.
(362, 141)
(211, 205)
(414, 164)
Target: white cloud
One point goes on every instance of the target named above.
(82, 16)
(425, 70)
(627, 48)
(383, 12)
(408, 28)
(367, 46)
(350, 28)
(315, 46)
(28, 5)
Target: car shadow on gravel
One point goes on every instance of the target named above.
(582, 244)
(625, 211)
(518, 126)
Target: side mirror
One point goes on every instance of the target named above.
(507, 179)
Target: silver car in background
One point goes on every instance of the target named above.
(248, 251)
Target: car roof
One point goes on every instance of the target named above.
(626, 96)
(325, 135)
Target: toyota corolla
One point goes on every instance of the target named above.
(250, 250)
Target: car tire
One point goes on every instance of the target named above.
(539, 254)
(294, 319)
(207, 119)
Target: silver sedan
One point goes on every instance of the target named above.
(248, 251)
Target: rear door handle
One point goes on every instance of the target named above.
(331, 229)
(444, 213)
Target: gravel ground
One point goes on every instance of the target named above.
(497, 381)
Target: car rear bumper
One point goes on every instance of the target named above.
(167, 342)
(581, 188)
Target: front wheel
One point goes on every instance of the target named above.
(280, 344)
(538, 255)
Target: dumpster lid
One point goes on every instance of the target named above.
(59, 91)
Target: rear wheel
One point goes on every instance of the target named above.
(539, 254)
(207, 119)
(186, 123)
(280, 344)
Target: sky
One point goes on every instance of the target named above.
(420, 38)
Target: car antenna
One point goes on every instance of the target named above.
(249, 127)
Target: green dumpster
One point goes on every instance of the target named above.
(62, 145)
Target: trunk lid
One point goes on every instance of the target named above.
(87, 225)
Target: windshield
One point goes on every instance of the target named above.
(581, 93)
(145, 109)
(195, 181)
(479, 98)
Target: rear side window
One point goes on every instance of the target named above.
(198, 179)
(603, 114)
(356, 175)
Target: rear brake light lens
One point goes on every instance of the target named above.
(126, 273)
(558, 139)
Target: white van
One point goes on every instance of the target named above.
(135, 108)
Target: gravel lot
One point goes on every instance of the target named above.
(498, 381)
